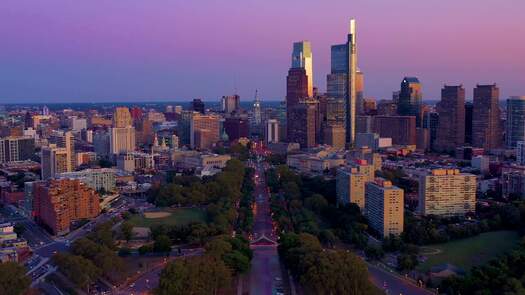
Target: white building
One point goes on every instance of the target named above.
(103, 178)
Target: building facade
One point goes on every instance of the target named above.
(451, 110)
(384, 205)
(486, 121)
(515, 129)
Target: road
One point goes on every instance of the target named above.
(265, 275)
(392, 284)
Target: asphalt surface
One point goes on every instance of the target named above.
(265, 275)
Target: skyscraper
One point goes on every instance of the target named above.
(230, 103)
(302, 58)
(515, 120)
(271, 131)
(468, 122)
(451, 109)
(486, 129)
(197, 105)
(303, 123)
(410, 97)
(204, 131)
(122, 117)
(351, 93)
(54, 160)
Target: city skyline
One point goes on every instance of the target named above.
(157, 52)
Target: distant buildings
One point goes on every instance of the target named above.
(204, 131)
(122, 140)
(451, 110)
(271, 131)
(410, 98)
(515, 130)
(486, 125)
(303, 123)
(54, 160)
(447, 192)
(230, 103)
(16, 148)
(402, 129)
(384, 205)
(197, 105)
(57, 203)
(97, 179)
(236, 128)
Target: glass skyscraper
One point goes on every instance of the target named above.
(515, 120)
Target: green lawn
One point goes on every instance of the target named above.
(179, 216)
(470, 252)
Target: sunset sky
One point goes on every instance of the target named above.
(132, 50)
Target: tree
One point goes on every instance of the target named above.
(81, 271)
(406, 262)
(127, 230)
(13, 279)
(162, 244)
(19, 228)
(195, 275)
(237, 261)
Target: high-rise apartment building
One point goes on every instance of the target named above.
(54, 160)
(57, 203)
(447, 192)
(204, 131)
(230, 103)
(384, 205)
(515, 130)
(451, 110)
(350, 186)
(16, 148)
(302, 59)
(486, 121)
(520, 152)
(410, 98)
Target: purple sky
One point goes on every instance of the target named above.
(100, 50)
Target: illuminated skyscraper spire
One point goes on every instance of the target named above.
(351, 93)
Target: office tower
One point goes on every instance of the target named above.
(45, 111)
(515, 130)
(197, 105)
(423, 139)
(271, 132)
(101, 143)
(451, 110)
(334, 135)
(447, 192)
(57, 203)
(350, 186)
(65, 140)
(204, 131)
(303, 124)
(136, 114)
(122, 118)
(296, 87)
(78, 124)
(410, 97)
(236, 128)
(230, 103)
(486, 129)
(302, 59)
(122, 140)
(360, 92)
(16, 148)
(469, 107)
(387, 108)
(144, 132)
(482, 163)
(402, 129)
(369, 106)
(335, 111)
(520, 152)
(384, 205)
(54, 160)
(431, 122)
(364, 124)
